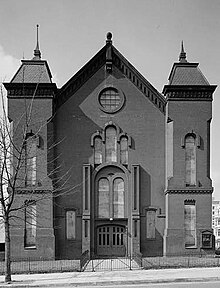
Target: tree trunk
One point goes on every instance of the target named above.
(7, 251)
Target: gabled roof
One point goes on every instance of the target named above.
(111, 58)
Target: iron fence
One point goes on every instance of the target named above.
(28, 265)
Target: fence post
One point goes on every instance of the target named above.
(29, 264)
(188, 261)
(93, 270)
(130, 262)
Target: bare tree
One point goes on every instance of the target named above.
(18, 169)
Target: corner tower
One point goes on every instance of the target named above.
(30, 101)
(189, 188)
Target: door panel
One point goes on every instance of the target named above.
(111, 241)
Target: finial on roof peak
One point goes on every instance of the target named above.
(109, 38)
(37, 53)
(182, 56)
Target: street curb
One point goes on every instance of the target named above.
(111, 283)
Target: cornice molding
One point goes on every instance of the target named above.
(33, 191)
(189, 191)
(30, 90)
(190, 95)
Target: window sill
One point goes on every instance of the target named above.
(31, 248)
(193, 247)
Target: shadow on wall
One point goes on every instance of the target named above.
(152, 247)
(145, 189)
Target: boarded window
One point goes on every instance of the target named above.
(104, 200)
(124, 150)
(98, 150)
(190, 225)
(118, 198)
(31, 160)
(190, 156)
(151, 215)
(70, 224)
(30, 224)
(111, 145)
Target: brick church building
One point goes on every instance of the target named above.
(114, 166)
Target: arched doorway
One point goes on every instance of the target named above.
(111, 211)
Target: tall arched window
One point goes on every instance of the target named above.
(104, 198)
(98, 150)
(190, 158)
(118, 198)
(31, 160)
(124, 150)
(111, 144)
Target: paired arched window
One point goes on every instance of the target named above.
(111, 193)
(110, 146)
(31, 160)
(190, 159)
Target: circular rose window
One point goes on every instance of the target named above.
(111, 100)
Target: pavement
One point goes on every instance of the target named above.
(114, 278)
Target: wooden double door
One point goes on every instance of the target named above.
(111, 240)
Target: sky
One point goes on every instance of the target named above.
(147, 32)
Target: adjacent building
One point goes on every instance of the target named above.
(125, 168)
(216, 221)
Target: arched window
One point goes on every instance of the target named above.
(31, 160)
(118, 198)
(111, 144)
(124, 150)
(103, 198)
(98, 150)
(190, 158)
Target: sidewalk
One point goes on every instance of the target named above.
(86, 279)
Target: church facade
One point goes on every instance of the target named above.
(114, 166)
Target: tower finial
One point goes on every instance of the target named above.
(182, 56)
(37, 53)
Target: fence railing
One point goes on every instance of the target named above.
(179, 262)
(108, 264)
(28, 265)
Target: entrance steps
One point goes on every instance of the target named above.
(120, 263)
